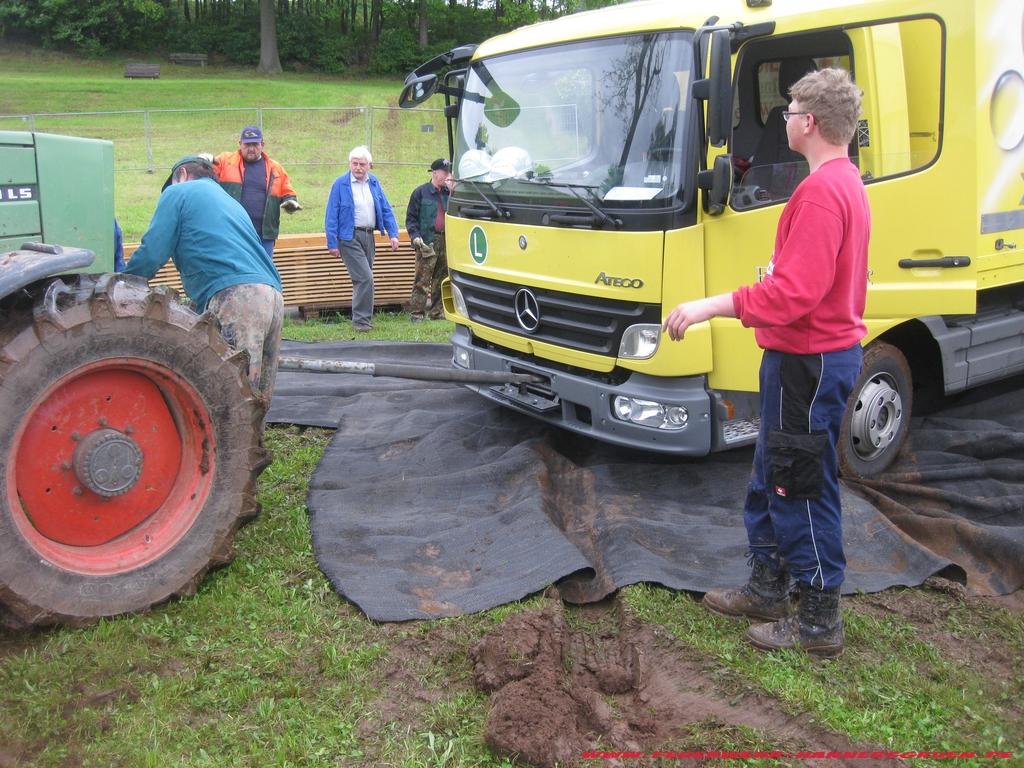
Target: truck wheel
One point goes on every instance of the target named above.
(131, 443)
(877, 414)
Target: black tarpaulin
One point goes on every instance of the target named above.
(431, 501)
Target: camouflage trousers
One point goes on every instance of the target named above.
(250, 317)
(431, 268)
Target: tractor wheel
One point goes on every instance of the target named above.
(877, 414)
(130, 443)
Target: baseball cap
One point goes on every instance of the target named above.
(441, 164)
(185, 161)
(251, 134)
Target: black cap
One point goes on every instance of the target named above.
(441, 164)
(185, 161)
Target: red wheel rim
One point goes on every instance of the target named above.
(64, 513)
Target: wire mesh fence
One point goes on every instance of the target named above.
(312, 143)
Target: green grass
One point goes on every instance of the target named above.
(387, 326)
(888, 688)
(310, 123)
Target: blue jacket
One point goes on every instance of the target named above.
(339, 221)
(211, 239)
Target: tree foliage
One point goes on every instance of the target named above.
(381, 36)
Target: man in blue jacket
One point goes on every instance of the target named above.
(223, 266)
(355, 208)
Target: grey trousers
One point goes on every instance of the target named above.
(357, 254)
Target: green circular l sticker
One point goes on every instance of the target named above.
(478, 244)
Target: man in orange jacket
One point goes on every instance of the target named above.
(259, 183)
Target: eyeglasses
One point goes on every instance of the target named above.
(786, 115)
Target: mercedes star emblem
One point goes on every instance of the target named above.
(527, 310)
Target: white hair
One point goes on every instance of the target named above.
(362, 152)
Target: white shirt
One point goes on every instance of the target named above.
(362, 200)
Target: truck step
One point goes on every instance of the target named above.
(740, 431)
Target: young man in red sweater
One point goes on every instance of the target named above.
(807, 313)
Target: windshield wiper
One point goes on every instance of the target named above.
(599, 218)
(477, 212)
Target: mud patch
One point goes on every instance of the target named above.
(617, 684)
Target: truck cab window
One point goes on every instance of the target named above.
(899, 130)
(602, 119)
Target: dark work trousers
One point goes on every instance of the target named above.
(792, 510)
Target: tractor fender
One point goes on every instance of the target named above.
(34, 261)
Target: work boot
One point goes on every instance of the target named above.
(765, 596)
(817, 626)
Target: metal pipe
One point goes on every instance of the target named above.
(397, 371)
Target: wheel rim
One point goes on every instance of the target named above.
(877, 417)
(112, 464)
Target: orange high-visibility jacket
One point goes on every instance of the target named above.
(230, 169)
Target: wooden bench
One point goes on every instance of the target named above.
(191, 59)
(317, 283)
(134, 69)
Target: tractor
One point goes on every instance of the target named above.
(130, 438)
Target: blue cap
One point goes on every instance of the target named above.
(251, 134)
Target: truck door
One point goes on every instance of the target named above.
(921, 238)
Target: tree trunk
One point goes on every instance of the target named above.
(376, 21)
(421, 12)
(270, 62)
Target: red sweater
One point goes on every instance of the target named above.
(812, 298)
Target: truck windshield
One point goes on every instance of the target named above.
(600, 118)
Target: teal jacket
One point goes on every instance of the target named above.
(210, 238)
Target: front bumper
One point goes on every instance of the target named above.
(584, 405)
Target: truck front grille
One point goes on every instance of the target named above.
(584, 323)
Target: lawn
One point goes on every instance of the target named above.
(310, 123)
(267, 666)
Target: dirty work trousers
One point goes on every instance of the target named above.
(358, 254)
(431, 268)
(250, 317)
(792, 510)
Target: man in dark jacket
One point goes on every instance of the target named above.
(424, 220)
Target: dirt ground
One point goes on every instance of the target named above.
(557, 694)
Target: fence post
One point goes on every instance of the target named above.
(369, 127)
(149, 142)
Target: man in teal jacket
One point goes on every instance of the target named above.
(223, 265)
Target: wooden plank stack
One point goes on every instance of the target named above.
(317, 283)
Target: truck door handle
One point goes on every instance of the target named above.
(946, 261)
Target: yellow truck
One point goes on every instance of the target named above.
(613, 163)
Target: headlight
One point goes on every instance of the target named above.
(650, 413)
(640, 341)
(459, 301)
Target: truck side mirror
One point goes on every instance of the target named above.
(716, 183)
(720, 89)
(417, 90)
